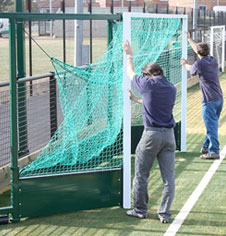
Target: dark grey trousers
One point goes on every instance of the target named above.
(160, 143)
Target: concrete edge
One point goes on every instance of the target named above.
(192, 81)
(5, 170)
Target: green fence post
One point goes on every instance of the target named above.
(13, 123)
(22, 109)
(109, 31)
(109, 39)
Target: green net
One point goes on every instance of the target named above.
(90, 138)
(161, 42)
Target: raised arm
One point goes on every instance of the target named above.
(192, 42)
(130, 68)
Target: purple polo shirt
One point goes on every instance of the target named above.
(158, 96)
(207, 69)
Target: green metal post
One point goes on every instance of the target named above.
(56, 16)
(109, 39)
(109, 31)
(13, 123)
(22, 111)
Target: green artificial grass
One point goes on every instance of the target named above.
(189, 170)
(208, 216)
(53, 46)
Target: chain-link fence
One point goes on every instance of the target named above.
(38, 115)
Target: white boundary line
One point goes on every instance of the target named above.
(178, 221)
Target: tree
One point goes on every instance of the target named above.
(4, 4)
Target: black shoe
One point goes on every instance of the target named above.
(204, 150)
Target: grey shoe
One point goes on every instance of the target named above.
(210, 156)
(163, 220)
(204, 150)
(135, 214)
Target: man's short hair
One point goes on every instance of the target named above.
(203, 49)
(152, 68)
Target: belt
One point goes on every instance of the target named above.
(156, 128)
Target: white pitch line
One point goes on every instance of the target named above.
(178, 221)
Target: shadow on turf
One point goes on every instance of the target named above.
(109, 218)
(205, 222)
(115, 218)
(98, 221)
(196, 234)
(114, 221)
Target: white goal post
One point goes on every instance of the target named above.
(126, 100)
(217, 44)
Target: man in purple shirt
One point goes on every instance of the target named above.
(212, 99)
(158, 98)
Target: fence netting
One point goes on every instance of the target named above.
(90, 138)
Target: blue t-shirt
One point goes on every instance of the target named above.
(158, 96)
(207, 69)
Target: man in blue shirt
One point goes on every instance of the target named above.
(212, 99)
(158, 98)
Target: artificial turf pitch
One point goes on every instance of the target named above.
(207, 217)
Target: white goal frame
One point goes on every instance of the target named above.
(222, 28)
(126, 100)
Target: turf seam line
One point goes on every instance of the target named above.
(181, 216)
